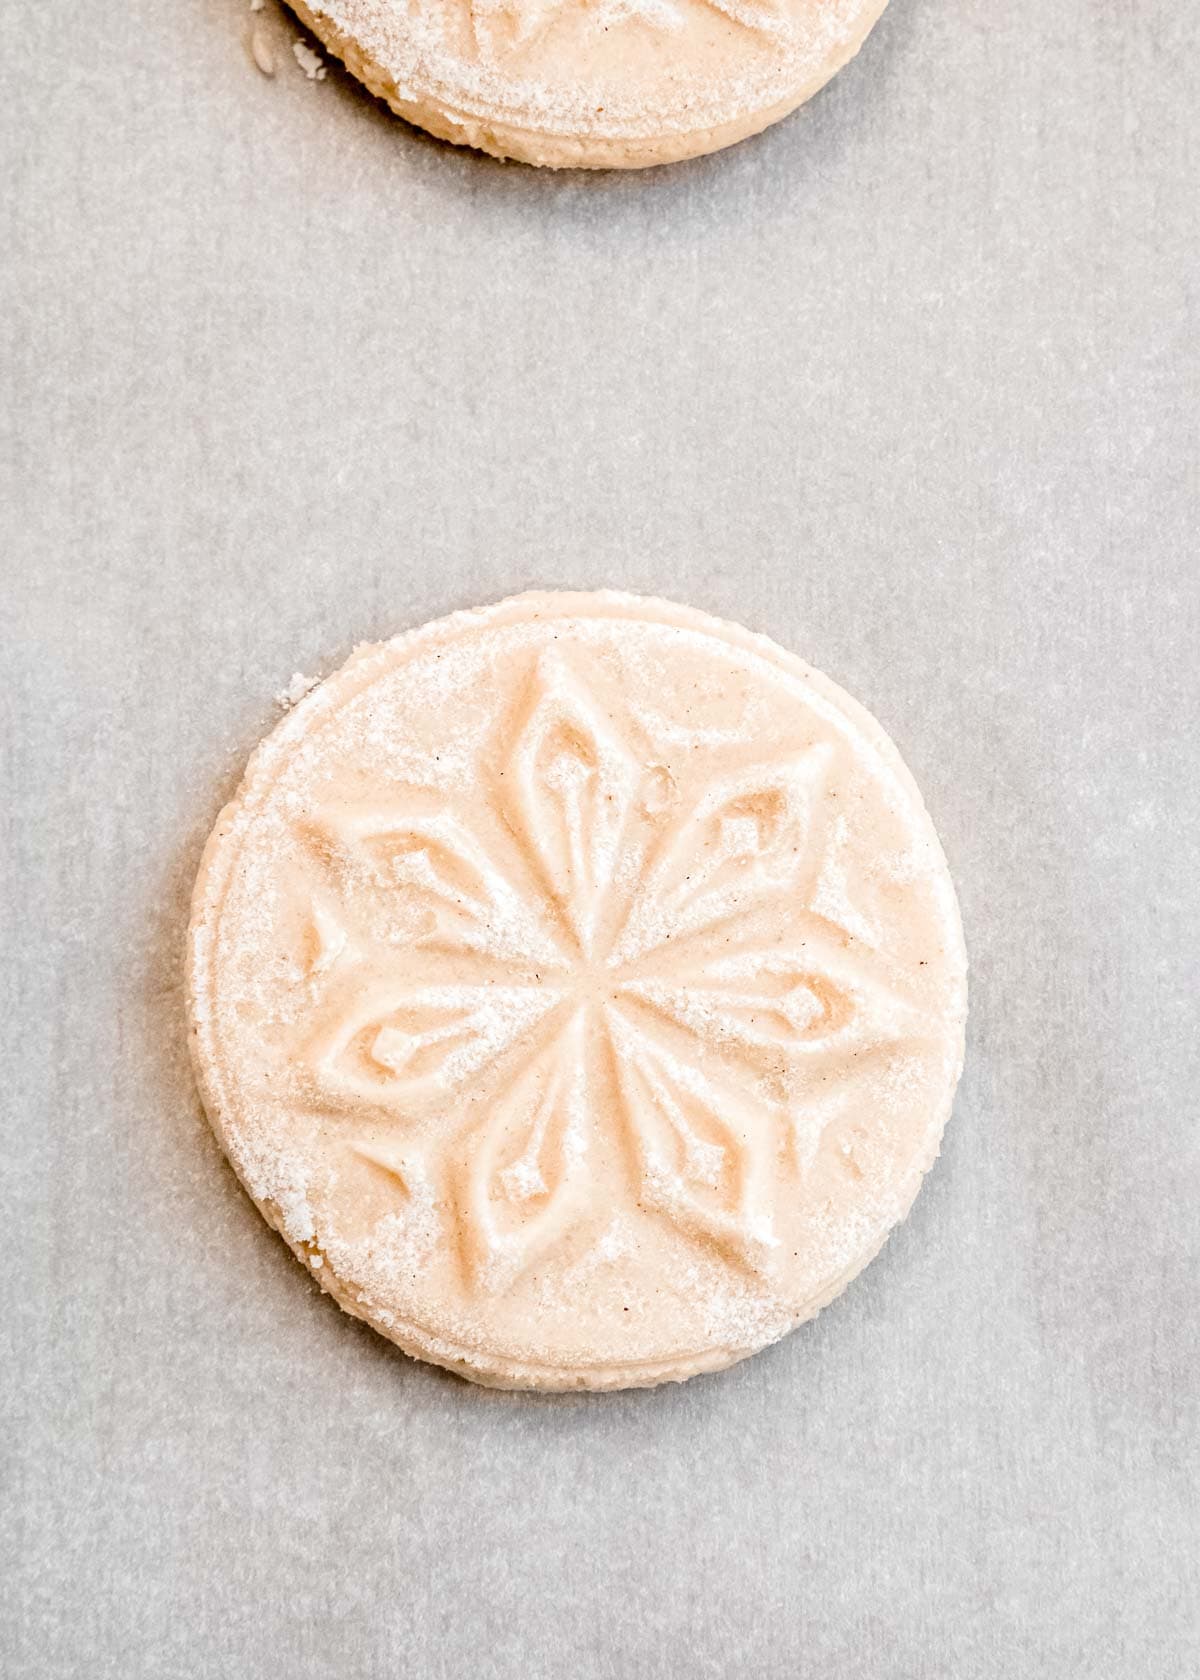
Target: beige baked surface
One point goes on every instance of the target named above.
(578, 986)
(596, 84)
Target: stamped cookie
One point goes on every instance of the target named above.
(579, 987)
(592, 84)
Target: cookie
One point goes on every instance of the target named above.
(592, 84)
(578, 986)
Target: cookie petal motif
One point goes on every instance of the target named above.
(421, 854)
(750, 836)
(704, 1158)
(519, 1181)
(568, 788)
(405, 1049)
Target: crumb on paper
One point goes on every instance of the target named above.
(312, 64)
(262, 53)
(295, 690)
(257, 5)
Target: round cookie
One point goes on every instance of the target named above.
(578, 986)
(592, 84)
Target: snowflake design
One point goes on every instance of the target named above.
(608, 936)
(501, 27)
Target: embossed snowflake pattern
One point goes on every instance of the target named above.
(500, 28)
(594, 931)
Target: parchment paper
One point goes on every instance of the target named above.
(910, 383)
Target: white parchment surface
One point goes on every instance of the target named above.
(910, 383)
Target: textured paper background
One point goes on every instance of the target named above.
(911, 383)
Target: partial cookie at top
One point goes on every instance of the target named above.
(592, 84)
(578, 986)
